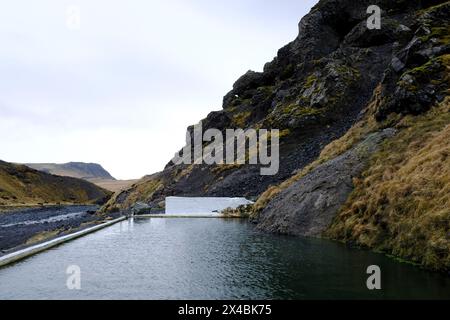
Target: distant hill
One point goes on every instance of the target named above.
(21, 185)
(113, 185)
(86, 171)
(91, 172)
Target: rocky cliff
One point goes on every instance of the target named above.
(345, 98)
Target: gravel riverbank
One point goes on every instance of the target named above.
(23, 227)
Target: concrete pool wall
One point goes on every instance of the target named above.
(202, 205)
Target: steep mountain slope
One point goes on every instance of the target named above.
(86, 171)
(344, 98)
(21, 185)
(397, 201)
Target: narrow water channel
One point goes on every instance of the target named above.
(211, 259)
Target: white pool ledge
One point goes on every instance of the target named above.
(201, 206)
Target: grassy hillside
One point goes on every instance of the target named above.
(21, 185)
(401, 203)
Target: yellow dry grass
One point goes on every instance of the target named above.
(113, 185)
(42, 236)
(401, 205)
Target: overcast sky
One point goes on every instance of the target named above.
(121, 89)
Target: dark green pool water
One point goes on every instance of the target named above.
(211, 259)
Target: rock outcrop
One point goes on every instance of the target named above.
(308, 207)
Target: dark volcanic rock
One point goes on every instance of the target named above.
(308, 206)
(407, 85)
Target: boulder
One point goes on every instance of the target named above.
(308, 206)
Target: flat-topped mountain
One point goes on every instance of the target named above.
(21, 185)
(79, 170)
(91, 172)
